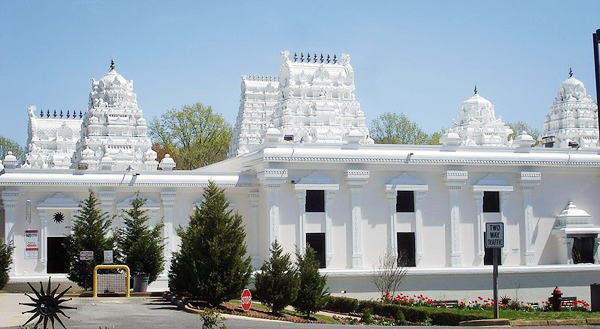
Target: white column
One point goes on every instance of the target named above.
(254, 197)
(10, 198)
(273, 191)
(528, 181)
(43, 252)
(168, 201)
(329, 194)
(419, 195)
(301, 198)
(356, 181)
(392, 240)
(480, 226)
(569, 241)
(357, 255)
(528, 225)
(454, 181)
(503, 202)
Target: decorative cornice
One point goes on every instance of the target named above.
(414, 161)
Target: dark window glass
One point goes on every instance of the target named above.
(58, 260)
(491, 201)
(488, 258)
(288, 138)
(405, 201)
(315, 201)
(317, 242)
(583, 250)
(406, 249)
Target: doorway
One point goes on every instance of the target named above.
(58, 258)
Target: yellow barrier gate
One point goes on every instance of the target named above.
(111, 267)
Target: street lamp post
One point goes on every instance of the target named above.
(596, 40)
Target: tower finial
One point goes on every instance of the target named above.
(475, 91)
(570, 72)
(112, 64)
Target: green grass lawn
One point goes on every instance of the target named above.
(520, 315)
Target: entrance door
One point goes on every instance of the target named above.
(58, 260)
(583, 249)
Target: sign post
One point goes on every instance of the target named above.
(246, 300)
(494, 238)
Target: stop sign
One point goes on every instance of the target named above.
(246, 299)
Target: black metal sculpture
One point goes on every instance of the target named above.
(47, 305)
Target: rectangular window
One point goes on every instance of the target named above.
(488, 258)
(288, 138)
(491, 201)
(406, 249)
(405, 201)
(317, 242)
(315, 201)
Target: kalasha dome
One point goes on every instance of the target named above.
(304, 171)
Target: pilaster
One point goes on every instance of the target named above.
(168, 199)
(301, 198)
(10, 199)
(254, 198)
(528, 182)
(272, 180)
(504, 195)
(480, 243)
(329, 194)
(455, 180)
(43, 252)
(419, 196)
(392, 243)
(356, 181)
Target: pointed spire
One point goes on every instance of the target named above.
(334, 59)
(41, 113)
(321, 58)
(295, 57)
(301, 57)
(315, 58)
(47, 113)
(328, 59)
(80, 115)
(308, 58)
(112, 64)
(570, 72)
(475, 91)
(55, 113)
(68, 114)
(61, 114)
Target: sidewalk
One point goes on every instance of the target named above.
(11, 311)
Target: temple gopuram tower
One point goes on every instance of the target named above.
(113, 132)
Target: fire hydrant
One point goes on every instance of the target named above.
(556, 299)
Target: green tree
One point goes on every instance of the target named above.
(6, 251)
(90, 232)
(313, 293)
(10, 145)
(196, 135)
(140, 247)
(519, 127)
(277, 283)
(212, 264)
(394, 128)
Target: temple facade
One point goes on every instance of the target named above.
(303, 171)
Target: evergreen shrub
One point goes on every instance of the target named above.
(277, 283)
(211, 265)
(313, 290)
(6, 251)
(139, 247)
(90, 233)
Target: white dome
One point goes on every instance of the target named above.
(112, 77)
(571, 88)
(476, 108)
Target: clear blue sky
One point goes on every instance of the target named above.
(417, 57)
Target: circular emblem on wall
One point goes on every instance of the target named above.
(59, 217)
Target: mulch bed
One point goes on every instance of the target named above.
(235, 309)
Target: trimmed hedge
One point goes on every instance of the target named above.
(341, 304)
(400, 314)
(385, 310)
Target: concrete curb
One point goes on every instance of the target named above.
(531, 323)
(485, 323)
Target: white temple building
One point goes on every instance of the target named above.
(304, 171)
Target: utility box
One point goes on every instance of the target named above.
(595, 297)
